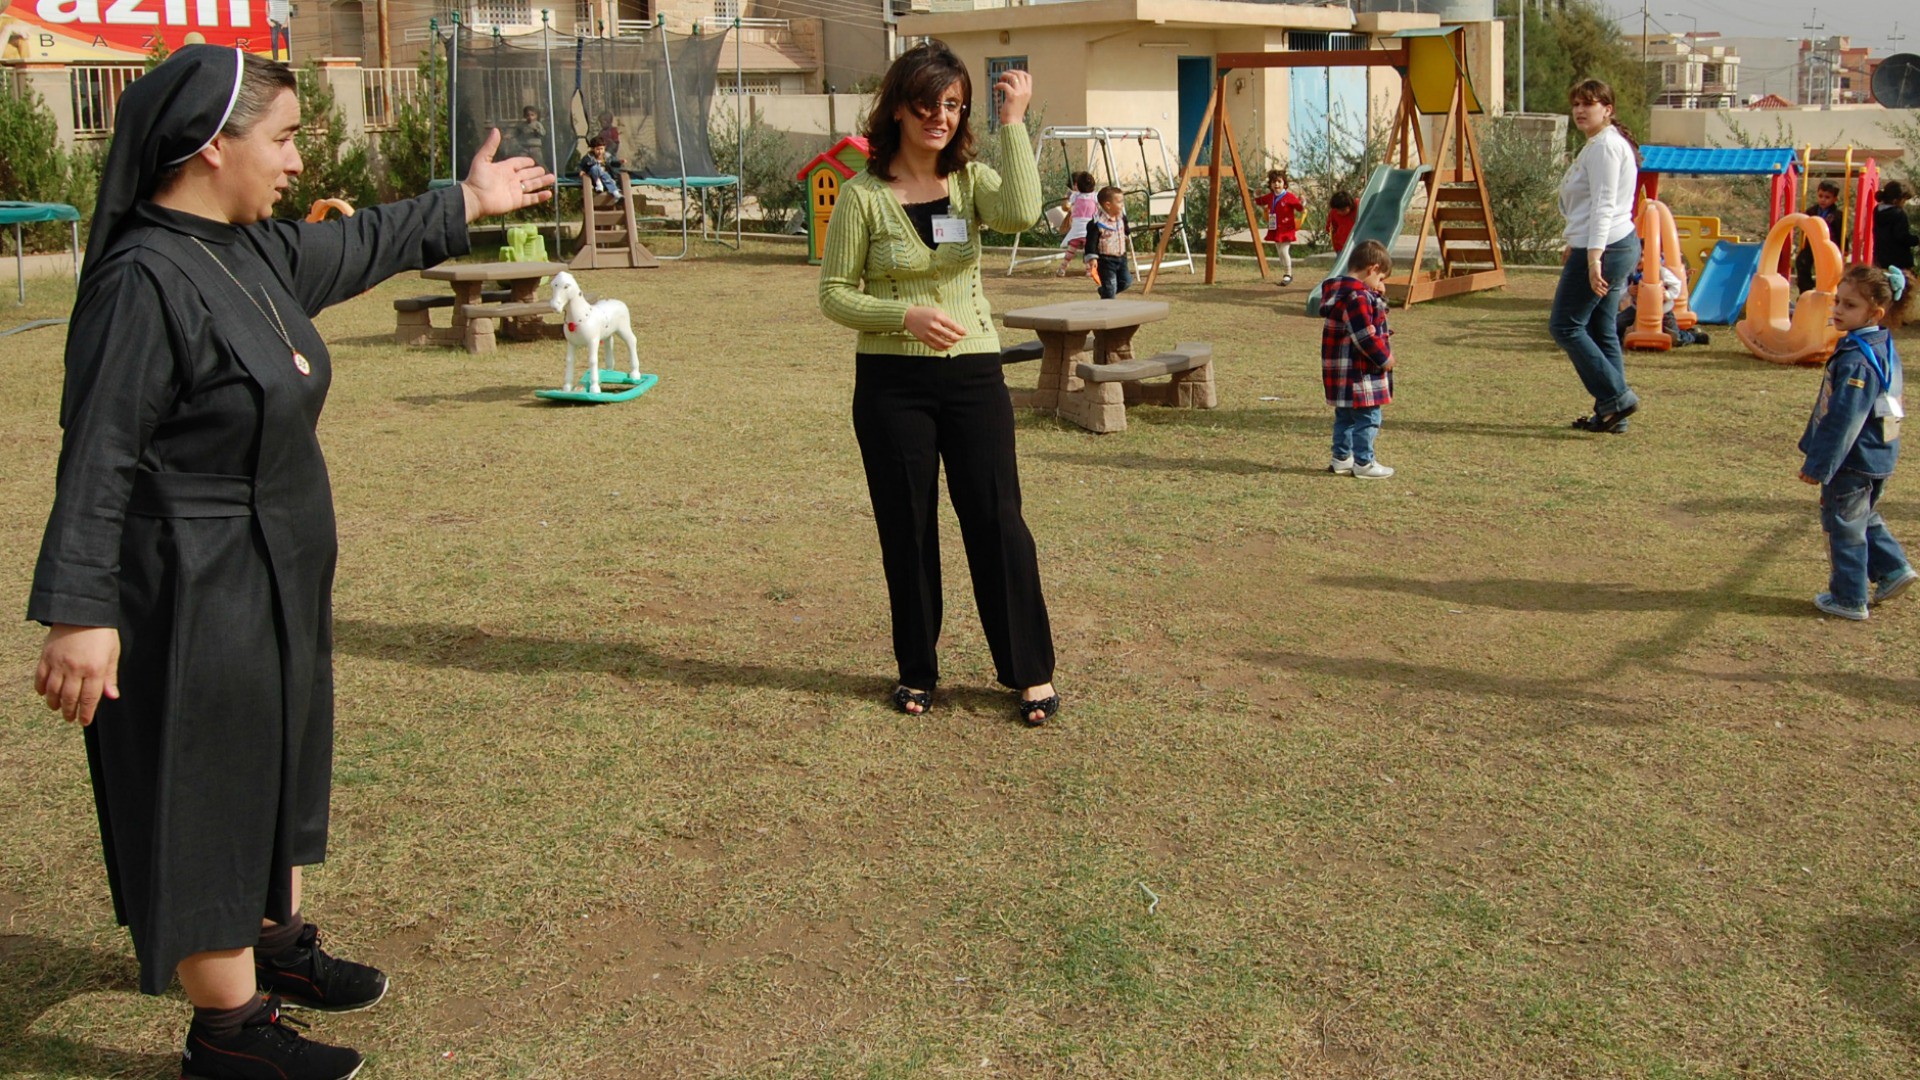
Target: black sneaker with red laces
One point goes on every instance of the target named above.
(305, 977)
(267, 1047)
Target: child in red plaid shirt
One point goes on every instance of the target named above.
(1356, 359)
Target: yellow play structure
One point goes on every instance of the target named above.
(1807, 335)
(1433, 82)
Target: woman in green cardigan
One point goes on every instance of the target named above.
(902, 266)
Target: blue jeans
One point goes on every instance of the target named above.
(1354, 431)
(1116, 273)
(1585, 325)
(1858, 543)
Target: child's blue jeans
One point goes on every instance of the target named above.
(1858, 543)
(1116, 273)
(1354, 431)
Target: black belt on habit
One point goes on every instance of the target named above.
(190, 495)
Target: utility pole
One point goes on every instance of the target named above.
(1816, 47)
(1523, 54)
(1643, 35)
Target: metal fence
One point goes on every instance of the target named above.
(384, 89)
(96, 92)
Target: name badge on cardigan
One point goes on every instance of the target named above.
(948, 229)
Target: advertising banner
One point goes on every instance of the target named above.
(125, 31)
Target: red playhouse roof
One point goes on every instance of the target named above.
(829, 157)
(1771, 101)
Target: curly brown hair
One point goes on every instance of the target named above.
(917, 80)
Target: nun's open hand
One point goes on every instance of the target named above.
(499, 187)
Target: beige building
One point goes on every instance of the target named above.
(1694, 70)
(1149, 63)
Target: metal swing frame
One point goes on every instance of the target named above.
(1159, 203)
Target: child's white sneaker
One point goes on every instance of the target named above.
(1893, 584)
(1372, 470)
(1341, 466)
(1828, 603)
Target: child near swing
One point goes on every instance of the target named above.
(1082, 207)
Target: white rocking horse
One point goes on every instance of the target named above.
(589, 325)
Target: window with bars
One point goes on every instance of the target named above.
(725, 11)
(1324, 41)
(749, 84)
(501, 13)
(996, 65)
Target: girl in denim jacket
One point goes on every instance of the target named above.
(1852, 442)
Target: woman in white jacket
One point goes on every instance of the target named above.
(1596, 198)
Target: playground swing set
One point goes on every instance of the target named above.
(1721, 276)
(1433, 82)
(1100, 152)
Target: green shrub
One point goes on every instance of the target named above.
(35, 168)
(767, 172)
(1522, 173)
(413, 153)
(335, 167)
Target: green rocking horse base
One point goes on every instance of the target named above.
(630, 387)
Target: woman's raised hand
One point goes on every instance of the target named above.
(934, 328)
(1014, 88)
(78, 666)
(501, 187)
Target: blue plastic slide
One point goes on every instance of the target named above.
(1383, 213)
(1721, 293)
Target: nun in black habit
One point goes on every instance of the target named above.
(187, 567)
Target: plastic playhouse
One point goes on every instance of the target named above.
(823, 176)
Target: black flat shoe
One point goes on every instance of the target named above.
(1045, 706)
(1613, 423)
(902, 697)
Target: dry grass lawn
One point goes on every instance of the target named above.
(1534, 760)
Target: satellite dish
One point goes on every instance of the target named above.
(1896, 82)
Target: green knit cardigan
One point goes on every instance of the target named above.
(875, 266)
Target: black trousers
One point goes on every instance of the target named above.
(910, 413)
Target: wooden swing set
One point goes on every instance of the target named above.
(1433, 81)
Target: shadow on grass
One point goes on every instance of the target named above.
(39, 975)
(1595, 706)
(1286, 422)
(1571, 597)
(1871, 961)
(450, 645)
(1234, 466)
(480, 395)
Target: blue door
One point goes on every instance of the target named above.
(1347, 108)
(1196, 89)
(1306, 112)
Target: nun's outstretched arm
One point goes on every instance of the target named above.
(341, 258)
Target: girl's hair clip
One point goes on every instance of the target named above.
(1897, 278)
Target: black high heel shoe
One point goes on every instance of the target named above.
(1045, 706)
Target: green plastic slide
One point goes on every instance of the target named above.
(1383, 213)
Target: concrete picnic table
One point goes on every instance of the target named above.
(1070, 331)
(475, 321)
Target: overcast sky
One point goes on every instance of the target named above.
(1868, 24)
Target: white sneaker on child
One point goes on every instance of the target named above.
(1341, 466)
(1372, 470)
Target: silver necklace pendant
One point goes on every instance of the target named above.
(300, 363)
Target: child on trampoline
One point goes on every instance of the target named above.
(1082, 207)
(1852, 442)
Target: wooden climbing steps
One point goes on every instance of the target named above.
(610, 235)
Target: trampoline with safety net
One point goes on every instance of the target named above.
(648, 95)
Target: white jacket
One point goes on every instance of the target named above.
(1596, 196)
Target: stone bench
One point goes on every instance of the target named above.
(413, 325)
(1031, 350)
(1099, 393)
